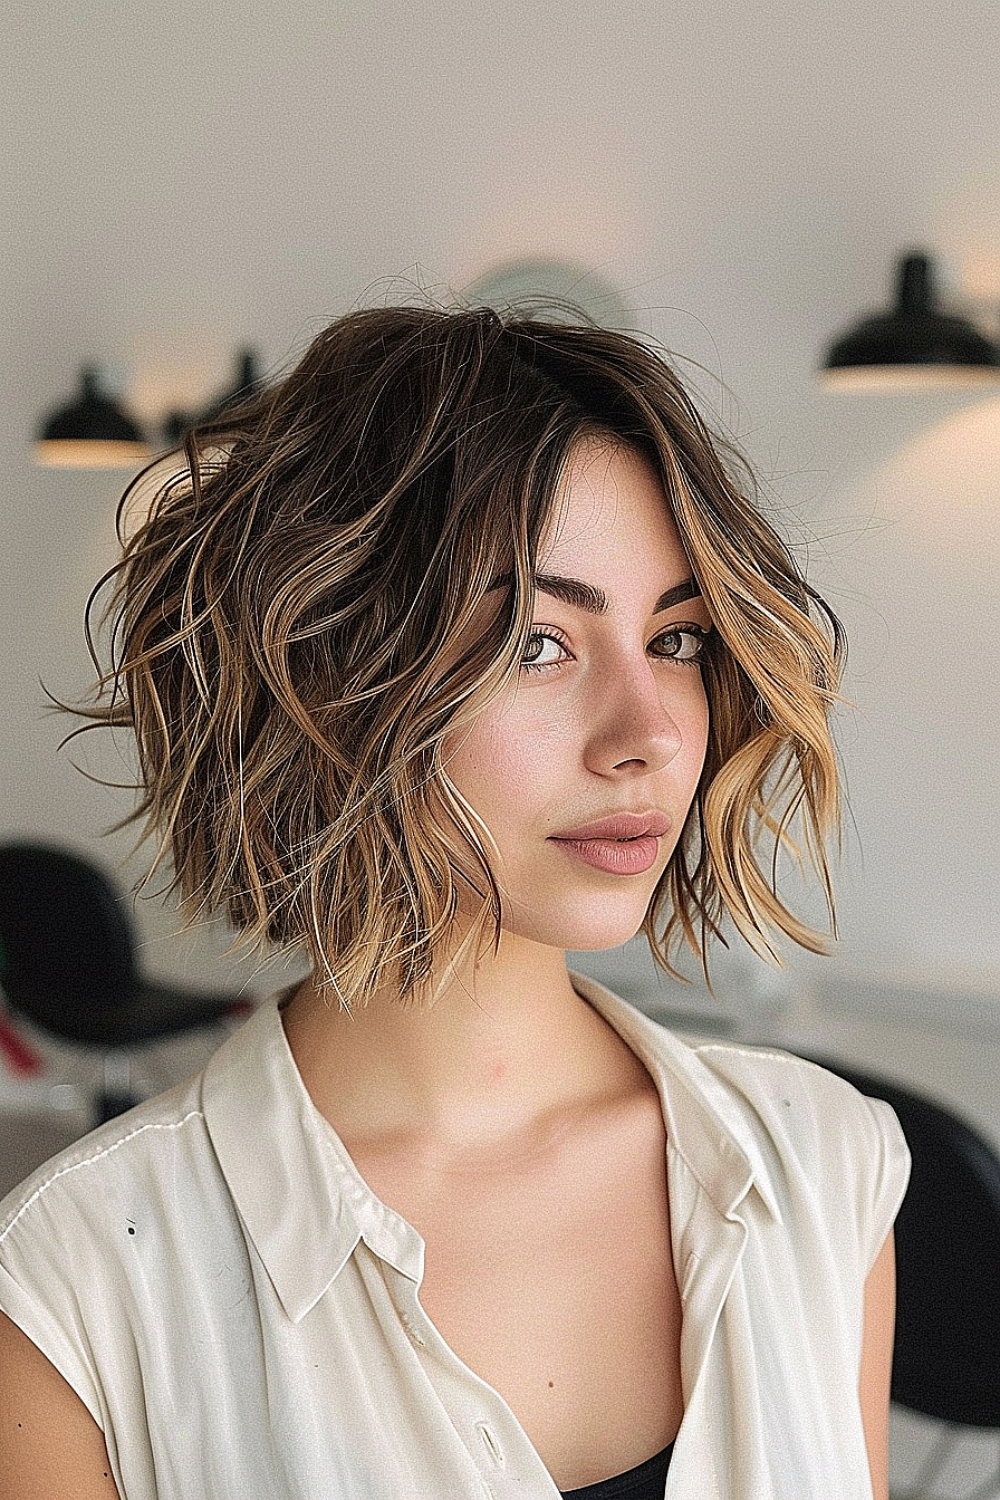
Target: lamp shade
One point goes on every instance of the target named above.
(914, 345)
(247, 382)
(554, 290)
(91, 432)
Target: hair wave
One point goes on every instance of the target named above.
(293, 639)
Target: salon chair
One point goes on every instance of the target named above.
(68, 965)
(946, 1362)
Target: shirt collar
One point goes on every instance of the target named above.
(304, 1204)
(708, 1122)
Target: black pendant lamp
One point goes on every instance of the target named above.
(246, 382)
(92, 432)
(914, 346)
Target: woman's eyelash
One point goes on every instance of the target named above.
(698, 634)
(544, 635)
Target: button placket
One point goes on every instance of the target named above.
(495, 1474)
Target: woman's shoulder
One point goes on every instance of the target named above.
(88, 1237)
(165, 1137)
(765, 1072)
(781, 1086)
(794, 1100)
(821, 1138)
(136, 1147)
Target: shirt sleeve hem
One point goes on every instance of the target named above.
(894, 1176)
(47, 1337)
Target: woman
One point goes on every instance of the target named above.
(459, 648)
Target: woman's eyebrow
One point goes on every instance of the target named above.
(595, 601)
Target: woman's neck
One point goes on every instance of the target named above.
(505, 1052)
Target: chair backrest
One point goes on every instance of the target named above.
(946, 1363)
(65, 935)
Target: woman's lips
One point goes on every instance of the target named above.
(650, 822)
(615, 856)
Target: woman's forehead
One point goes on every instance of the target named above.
(610, 508)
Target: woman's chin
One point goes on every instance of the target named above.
(579, 926)
(581, 936)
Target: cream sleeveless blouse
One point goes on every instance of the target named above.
(241, 1314)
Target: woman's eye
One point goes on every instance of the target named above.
(685, 643)
(542, 650)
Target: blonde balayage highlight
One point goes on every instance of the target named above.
(294, 640)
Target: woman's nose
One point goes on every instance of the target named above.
(637, 723)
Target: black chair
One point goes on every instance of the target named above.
(68, 965)
(946, 1363)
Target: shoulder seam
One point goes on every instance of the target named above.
(730, 1049)
(780, 1055)
(97, 1156)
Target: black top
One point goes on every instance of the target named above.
(644, 1482)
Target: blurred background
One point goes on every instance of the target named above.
(182, 181)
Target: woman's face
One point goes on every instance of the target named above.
(608, 715)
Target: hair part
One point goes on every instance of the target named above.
(294, 639)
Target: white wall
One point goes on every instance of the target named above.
(182, 177)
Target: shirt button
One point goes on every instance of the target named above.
(412, 1330)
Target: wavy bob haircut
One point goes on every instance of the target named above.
(293, 640)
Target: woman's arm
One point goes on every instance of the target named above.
(50, 1445)
(876, 1364)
